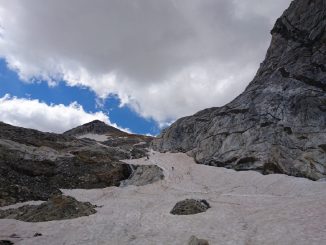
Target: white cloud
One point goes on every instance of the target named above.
(49, 118)
(164, 59)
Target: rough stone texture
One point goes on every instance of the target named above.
(196, 241)
(35, 165)
(57, 208)
(278, 124)
(143, 175)
(6, 242)
(190, 206)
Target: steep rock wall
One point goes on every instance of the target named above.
(278, 124)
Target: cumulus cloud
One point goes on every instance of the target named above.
(48, 118)
(164, 59)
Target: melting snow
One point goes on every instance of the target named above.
(97, 137)
(246, 208)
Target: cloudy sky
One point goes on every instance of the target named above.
(136, 64)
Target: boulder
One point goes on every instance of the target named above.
(143, 175)
(190, 206)
(196, 241)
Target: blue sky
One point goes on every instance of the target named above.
(124, 117)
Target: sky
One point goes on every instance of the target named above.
(137, 64)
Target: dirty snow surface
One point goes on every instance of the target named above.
(246, 208)
(97, 137)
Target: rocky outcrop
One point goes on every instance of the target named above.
(278, 124)
(57, 208)
(190, 206)
(143, 175)
(36, 165)
(196, 241)
(128, 145)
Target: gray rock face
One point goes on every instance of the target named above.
(57, 208)
(278, 124)
(190, 206)
(143, 175)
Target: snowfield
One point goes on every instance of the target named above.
(246, 208)
(97, 137)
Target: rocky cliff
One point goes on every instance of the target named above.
(278, 124)
(36, 165)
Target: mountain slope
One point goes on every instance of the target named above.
(36, 165)
(278, 124)
(95, 127)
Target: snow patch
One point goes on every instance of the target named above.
(96, 137)
(246, 208)
(20, 204)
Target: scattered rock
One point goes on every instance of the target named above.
(196, 241)
(190, 206)
(57, 208)
(143, 175)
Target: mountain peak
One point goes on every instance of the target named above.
(95, 127)
(96, 122)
